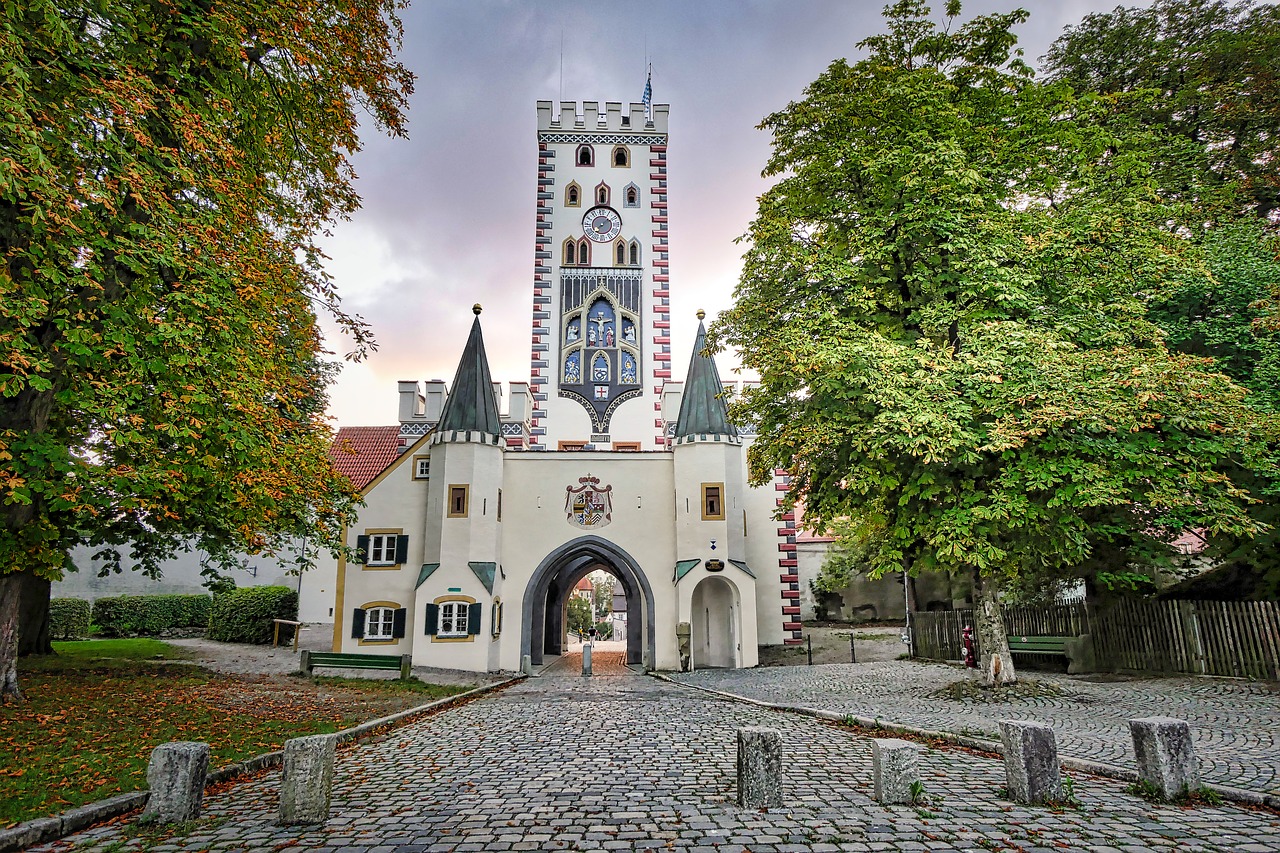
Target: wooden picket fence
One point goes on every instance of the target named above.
(1232, 638)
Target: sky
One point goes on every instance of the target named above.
(447, 216)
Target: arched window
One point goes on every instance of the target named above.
(602, 193)
(584, 252)
(572, 195)
(570, 253)
(632, 196)
(621, 156)
(585, 156)
(635, 254)
(621, 253)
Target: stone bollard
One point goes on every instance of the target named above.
(176, 775)
(894, 768)
(759, 768)
(586, 659)
(526, 664)
(1166, 755)
(1031, 762)
(306, 780)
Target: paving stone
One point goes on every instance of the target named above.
(625, 762)
(1233, 720)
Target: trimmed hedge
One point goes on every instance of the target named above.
(69, 618)
(150, 615)
(244, 616)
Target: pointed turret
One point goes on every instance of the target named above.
(471, 406)
(702, 406)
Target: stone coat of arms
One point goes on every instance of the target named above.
(588, 505)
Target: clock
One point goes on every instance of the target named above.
(601, 224)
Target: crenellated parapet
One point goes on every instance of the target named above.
(590, 119)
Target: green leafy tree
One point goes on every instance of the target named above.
(1206, 74)
(579, 617)
(164, 171)
(603, 584)
(943, 297)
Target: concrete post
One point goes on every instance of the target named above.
(306, 781)
(176, 775)
(586, 659)
(894, 769)
(1030, 762)
(759, 768)
(526, 664)
(1166, 755)
(684, 634)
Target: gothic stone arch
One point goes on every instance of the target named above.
(541, 630)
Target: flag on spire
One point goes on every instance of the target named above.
(647, 100)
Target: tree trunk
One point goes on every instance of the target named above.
(993, 641)
(10, 596)
(33, 616)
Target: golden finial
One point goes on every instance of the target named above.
(702, 315)
(475, 309)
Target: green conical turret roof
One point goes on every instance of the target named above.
(702, 406)
(471, 404)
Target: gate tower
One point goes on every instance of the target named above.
(601, 346)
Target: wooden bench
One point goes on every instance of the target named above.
(1056, 646)
(340, 660)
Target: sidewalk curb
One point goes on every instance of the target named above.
(46, 829)
(1081, 765)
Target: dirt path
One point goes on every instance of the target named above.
(831, 645)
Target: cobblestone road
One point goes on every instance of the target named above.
(633, 763)
(1236, 723)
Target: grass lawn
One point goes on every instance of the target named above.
(97, 708)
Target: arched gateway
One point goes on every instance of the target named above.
(542, 631)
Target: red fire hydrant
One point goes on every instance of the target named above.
(969, 659)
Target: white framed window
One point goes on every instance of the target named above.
(382, 549)
(421, 467)
(453, 619)
(378, 622)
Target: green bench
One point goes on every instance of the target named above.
(339, 660)
(1039, 645)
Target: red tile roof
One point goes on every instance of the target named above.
(363, 453)
(585, 584)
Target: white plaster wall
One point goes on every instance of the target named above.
(395, 501)
(732, 587)
(471, 653)
(642, 525)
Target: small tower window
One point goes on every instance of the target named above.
(622, 253)
(602, 193)
(635, 254)
(632, 196)
(570, 253)
(573, 195)
(713, 501)
(457, 502)
(621, 156)
(585, 156)
(584, 253)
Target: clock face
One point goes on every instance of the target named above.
(601, 224)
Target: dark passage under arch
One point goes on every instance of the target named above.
(552, 582)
